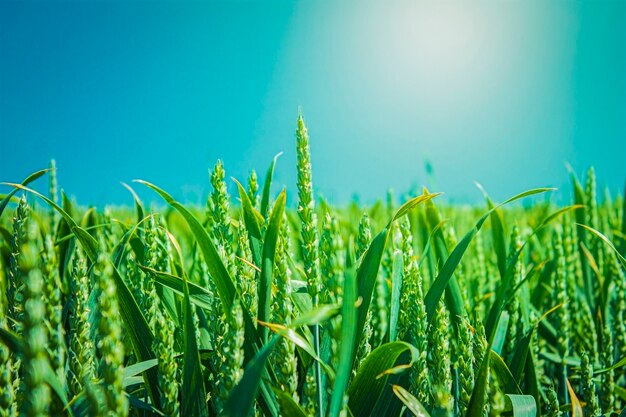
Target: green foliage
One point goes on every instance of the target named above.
(255, 309)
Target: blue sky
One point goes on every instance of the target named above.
(503, 93)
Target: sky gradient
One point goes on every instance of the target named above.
(503, 93)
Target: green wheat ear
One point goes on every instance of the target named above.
(110, 347)
(465, 364)
(82, 350)
(331, 260)
(245, 278)
(413, 320)
(616, 274)
(285, 363)
(156, 257)
(589, 386)
(515, 330)
(562, 314)
(439, 344)
(36, 399)
(57, 349)
(309, 391)
(364, 237)
(332, 266)
(553, 402)
(363, 240)
(53, 194)
(230, 348)
(15, 284)
(219, 214)
(306, 211)
(253, 188)
(607, 399)
(7, 393)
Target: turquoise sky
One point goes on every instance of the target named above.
(503, 93)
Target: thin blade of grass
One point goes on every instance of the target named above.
(370, 386)
(138, 206)
(521, 405)
(288, 405)
(503, 373)
(347, 343)
(577, 409)
(193, 392)
(607, 241)
(253, 220)
(32, 177)
(241, 398)
(411, 403)
(267, 185)
(267, 263)
(396, 287)
(497, 231)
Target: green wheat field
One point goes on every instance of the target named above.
(247, 307)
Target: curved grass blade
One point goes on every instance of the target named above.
(620, 363)
(12, 340)
(347, 343)
(581, 199)
(130, 237)
(242, 396)
(623, 231)
(139, 367)
(439, 255)
(521, 405)
(366, 278)
(142, 405)
(412, 203)
(267, 185)
(518, 363)
(497, 231)
(503, 374)
(32, 177)
(396, 287)
(577, 409)
(193, 392)
(63, 229)
(267, 263)
(90, 246)
(51, 378)
(301, 342)
(371, 388)
(253, 220)
(197, 295)
(500, 333)
(138, 206)
(316, 315)
(607, 241)
(411, 403)
(288, 405)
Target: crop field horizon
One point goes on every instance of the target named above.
(247, 307)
